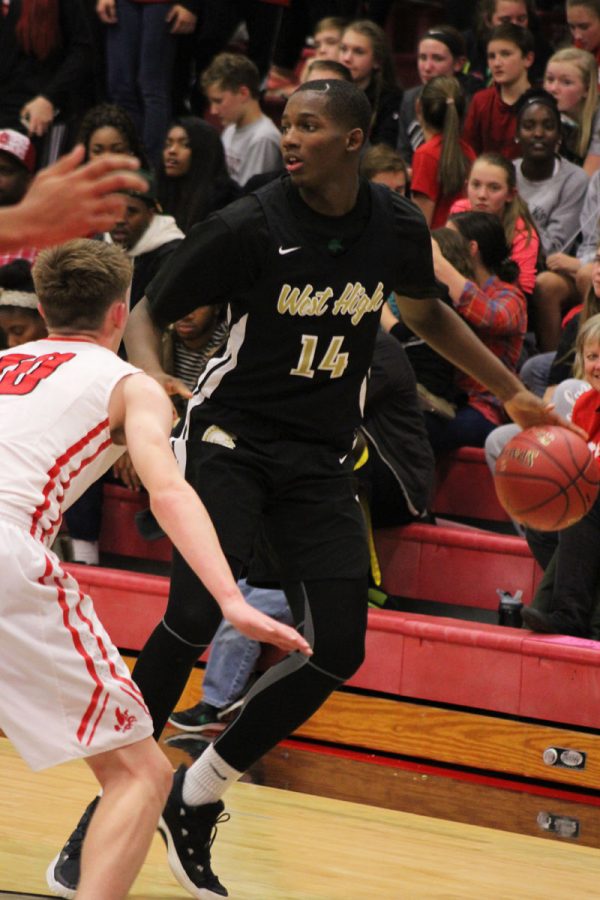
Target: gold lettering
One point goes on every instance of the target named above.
(527, 457)
(353, 301)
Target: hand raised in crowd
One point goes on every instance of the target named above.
(68, 200)
(181, 19)
(106, 11)
(38, 115)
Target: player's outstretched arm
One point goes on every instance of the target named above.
(140, 407)
(142, 340)
(68, 200)
(446, 332)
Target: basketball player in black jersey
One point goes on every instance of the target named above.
(305, 265)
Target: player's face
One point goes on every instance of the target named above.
(196, 324)
(356, 52)
(512, 12)
(584, 26)
(396, 181)
(14, 179)
(488, 189)
(435, 59)
(538, 132)
(506, 62)
(177, 153)
(327, 44)
(107, 140)
(228, 106)
(564, 81)
(135, 221)
(314, 147)
(591, 363)
(20, 326)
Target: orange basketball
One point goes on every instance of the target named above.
(547, 477)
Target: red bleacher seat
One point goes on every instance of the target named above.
(464, 487)
(462, 566)
(119, 534)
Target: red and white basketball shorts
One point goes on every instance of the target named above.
(64, 690)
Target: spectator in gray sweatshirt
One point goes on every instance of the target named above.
(554, 190)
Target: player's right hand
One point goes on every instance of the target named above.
(263, 628)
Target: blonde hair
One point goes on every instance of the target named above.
(588, 332)
(78, 281)
(588, 69)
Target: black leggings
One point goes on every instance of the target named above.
(334, 614)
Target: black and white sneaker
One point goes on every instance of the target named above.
(62, 875)
(189, 832)
(204, 717)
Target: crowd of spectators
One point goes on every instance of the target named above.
(495, 135)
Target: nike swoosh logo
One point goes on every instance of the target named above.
(218, 774)
(283, 251)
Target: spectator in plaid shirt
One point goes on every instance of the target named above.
(495, 308)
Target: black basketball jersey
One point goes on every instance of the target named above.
(303, 328)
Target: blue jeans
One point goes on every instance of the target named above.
(140, 51)
(233, 656)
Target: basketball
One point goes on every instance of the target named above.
(547, 477)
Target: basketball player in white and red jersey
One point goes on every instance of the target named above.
(68, 405)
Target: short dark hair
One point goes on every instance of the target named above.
(76, 283)
(345, 103)
(328, 65)
(231, 71)
(514, 34)
(537, 95)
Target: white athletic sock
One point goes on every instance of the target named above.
(85, 552)
(208, 779)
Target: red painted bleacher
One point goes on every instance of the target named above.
(455, 565)
(464, 487)
(441, 660)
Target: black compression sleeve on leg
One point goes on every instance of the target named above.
(168, 656)
(290, 692)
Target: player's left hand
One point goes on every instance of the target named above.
(263, 628)
(527, 410)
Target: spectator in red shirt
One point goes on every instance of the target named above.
(442, 163)
(491, 121)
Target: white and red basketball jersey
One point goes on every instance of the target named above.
(55, 439)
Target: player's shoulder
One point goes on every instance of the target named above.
(407, 216)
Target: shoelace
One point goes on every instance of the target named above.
(220, 820)
(76, 839)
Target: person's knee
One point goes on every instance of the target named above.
(340, 656)
(153, 770)
(550, 288)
